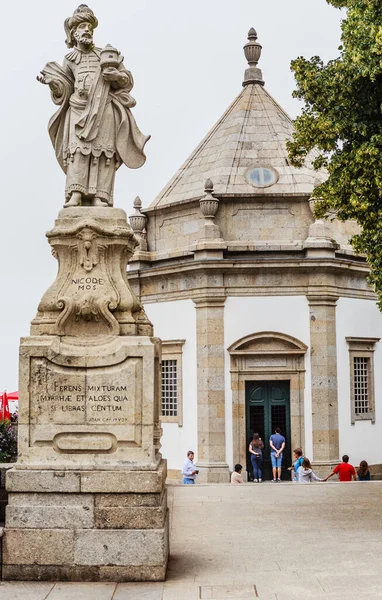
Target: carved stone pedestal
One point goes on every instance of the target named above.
(91, 294)
(87, 496)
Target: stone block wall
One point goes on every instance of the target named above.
(86, 526)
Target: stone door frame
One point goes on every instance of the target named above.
(266, 356)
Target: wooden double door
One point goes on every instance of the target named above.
(268, 407)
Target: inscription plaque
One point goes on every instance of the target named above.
(83, 396)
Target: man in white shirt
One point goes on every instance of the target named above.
(189, 472)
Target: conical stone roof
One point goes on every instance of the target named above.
(249, 137)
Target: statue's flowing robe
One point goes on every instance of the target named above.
(93, 132)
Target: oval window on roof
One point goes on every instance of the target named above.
(262, 176)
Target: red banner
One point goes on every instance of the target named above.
(5, 412)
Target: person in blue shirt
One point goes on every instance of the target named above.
(277, 444)
(298, 459)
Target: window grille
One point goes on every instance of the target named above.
(169, 388)
(361, 371)
(361, 384)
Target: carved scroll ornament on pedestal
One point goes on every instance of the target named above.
(91, 295)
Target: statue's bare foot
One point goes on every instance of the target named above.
(75, 200)
(99, 202)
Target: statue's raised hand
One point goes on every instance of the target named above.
(41, 79)
(53, 83)
(112, 74)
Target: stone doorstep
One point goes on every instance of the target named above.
(47, 481)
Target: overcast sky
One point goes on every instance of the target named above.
(188, 65)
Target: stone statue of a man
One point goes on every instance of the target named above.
(93, 132)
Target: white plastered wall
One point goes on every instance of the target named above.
(177, 320)
(248, 315)
(361, 441)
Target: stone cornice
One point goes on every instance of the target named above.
(240, 252)
(173, 342)
(300, 261)
(176, 268)
(209, 301)
(322, 299)
(329, 278)
(359, 343)
(258, 195)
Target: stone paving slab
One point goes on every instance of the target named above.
(285, 542)
(81, 591)
(18, 590)
(140, 591)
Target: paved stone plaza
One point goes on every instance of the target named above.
(270, 541)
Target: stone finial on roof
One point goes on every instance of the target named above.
(137, 220)
(137, 204)
(252, 51)
(208, 204)
(208, 186)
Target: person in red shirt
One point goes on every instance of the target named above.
(345, 470)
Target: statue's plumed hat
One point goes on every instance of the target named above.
(82, 14)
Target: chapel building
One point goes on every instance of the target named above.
(265, 313)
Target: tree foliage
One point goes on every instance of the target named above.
(8, 442)
(342, 119)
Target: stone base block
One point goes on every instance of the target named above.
(86, 554)
(376, 471)
(323, 468)
(213, 473)
(174, 475)
(112, 512)
(97, 481)
(99, 532)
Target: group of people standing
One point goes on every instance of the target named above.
(256, 447)
(301, 471)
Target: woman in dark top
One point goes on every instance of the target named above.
(256, 451)
(363, 473)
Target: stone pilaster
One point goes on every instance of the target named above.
(324, 380)
(211, 397)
